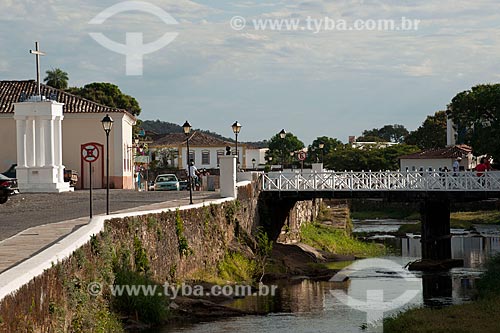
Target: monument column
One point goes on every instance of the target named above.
(58, 146)
(21, 141)
(40, 142)
(30, 142)
(48, 130)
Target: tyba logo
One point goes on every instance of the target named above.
(134, 48)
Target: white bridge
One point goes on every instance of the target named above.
(467, 181)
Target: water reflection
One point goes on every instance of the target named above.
(474, 250)
(307, 306)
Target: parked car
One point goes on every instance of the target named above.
(8, 187)
(11, 172)
(71, 177)
(166, 182)
(183, 185)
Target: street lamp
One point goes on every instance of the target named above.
(236, 130)
(187, 129)
(107, 124)
(322, 147)
(282, 136)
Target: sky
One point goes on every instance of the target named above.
(318, 78)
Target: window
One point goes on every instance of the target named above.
(205, 157)
(220, 153)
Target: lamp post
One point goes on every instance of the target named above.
(236, 130)
(322, 147)
(253, 163)
(187, 129)
(107, 124)
(282, 136)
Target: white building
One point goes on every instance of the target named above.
(439, 158)
(205, 151)
(81, 124)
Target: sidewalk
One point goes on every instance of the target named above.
(26, 244)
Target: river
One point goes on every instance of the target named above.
(354, 306)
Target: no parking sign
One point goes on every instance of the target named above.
(90, 152)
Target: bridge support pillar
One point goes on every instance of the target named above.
(436, 237)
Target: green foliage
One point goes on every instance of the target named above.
(107, 94)
(264, 249)
(230, 210)
(280, 148)
(140, 257)
(489, 284)
(388, 133)
(56, 78)
(152, 222)
(476, 112)
(184, 249)
(337, 241)
(315, 153)
(369, 158)
(148, 307)
(237, 268)
(431, 134)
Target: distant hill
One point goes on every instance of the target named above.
(164, 127)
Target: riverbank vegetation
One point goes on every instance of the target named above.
(338, 241)
(479, 316)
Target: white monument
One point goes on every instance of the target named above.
(39, 142)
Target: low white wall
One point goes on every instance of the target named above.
(14, 278)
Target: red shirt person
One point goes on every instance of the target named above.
(481, 167)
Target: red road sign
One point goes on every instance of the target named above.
(301, 155)
(90, 152)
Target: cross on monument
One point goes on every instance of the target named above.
(37, 53)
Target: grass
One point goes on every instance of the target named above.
(237, 268)
(458, 219)
(396, 214)
(479, 217)
(479, 316)
(337, 241)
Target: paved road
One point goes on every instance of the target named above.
(32, 209)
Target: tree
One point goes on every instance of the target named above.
(431, 134)
(280, 149)
(375, 159)
(388, 133)
(56, 78)
(315, 153)
(108, 94)
(476, 112)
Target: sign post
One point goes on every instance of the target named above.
(90, 154)
(301, 156)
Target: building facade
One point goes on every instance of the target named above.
(81, 124)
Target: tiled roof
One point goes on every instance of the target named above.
(448, 152)
(11, 91)
(197, 139)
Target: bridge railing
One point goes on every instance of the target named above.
(381, 181)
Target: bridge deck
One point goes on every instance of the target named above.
(383, 184)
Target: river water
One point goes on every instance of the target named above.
(373, 284)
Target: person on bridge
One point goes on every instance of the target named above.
(481, 167)
(456, 165)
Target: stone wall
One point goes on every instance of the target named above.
(169, 246)
(301, 212)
